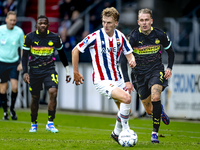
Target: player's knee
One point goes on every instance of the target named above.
(3, 91)
(155, 98)
(15, 89)
(53, 92)
(35, 99)
(127, 98)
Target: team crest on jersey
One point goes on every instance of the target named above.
(157, 41)
(50, 43)
(118, 42)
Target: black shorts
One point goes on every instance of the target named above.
(145, 82)
(49, 78)
(8, 71)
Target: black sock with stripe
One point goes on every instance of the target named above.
(157, 110)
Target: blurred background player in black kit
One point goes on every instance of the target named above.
(38, 49)
(9, 61)
(149, 77)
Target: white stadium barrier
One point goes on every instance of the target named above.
(181, 98)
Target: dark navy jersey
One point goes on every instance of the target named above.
(147, 49)
(42, 48)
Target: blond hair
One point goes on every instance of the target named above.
(111, 12)
(11, 13)
(145, 11)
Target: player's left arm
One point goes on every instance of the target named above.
(63, 58)
(168, 48)
(65, 63)
(168, 71)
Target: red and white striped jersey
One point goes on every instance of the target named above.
(105, 52)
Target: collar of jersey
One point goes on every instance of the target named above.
(141, 31)
(37, 32)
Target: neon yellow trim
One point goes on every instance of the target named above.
(141, 30)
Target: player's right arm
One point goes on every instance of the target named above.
(80, 47)
(78, 78)
(26, 51)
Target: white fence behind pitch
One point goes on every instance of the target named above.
(181, 99)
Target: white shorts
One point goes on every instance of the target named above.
(105, 87)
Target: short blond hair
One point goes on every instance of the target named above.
(11, 13)
(145, 11)
(111, 12)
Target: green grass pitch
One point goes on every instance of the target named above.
(92, 132)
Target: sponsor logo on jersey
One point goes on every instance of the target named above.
(42, 51)
(85, 40)
(141, 42)
(36, 42)
(147, 49)
(110, 49)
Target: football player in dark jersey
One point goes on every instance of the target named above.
(149, 77)
(38, 50)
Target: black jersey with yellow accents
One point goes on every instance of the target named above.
(147, 49)
(42, 48)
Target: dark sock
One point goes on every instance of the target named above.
(13, 100)
(34, 118)
(51, 115)
(4, 101)
(157, 110)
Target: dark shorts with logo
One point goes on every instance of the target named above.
(49, 78)
(145, 82)
(8, 71)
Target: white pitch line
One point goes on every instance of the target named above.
(24, 122)
(160, 129)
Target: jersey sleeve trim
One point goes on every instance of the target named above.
(26, 48)
(59, 48)
(165, 48)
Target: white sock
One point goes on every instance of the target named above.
(118, 125)
(50, 122)
(155, 133)
(124, 115)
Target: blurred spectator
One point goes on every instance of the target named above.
(1, 8)
(95, 18)
(65, 25)
(9, 5)
(66, 7)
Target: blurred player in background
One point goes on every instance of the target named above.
(11, 38)
(105, 46)
(38, 50)
(149, 77)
